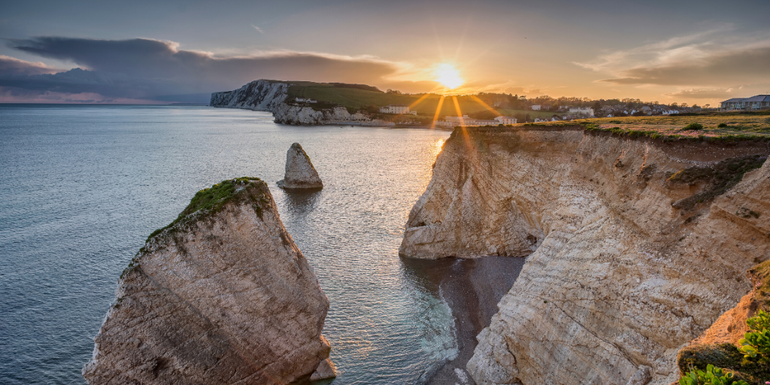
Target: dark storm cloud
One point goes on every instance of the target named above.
(145, 68)
(77, 81)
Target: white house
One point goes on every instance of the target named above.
(536, 107)
(506, 120)
(395, 109)
(456, 119)
(582, 111)
(465, 121)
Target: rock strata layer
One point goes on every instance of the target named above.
(220, 296)
(300, 173)
(635, 246)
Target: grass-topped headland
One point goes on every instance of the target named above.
(362, 97)
(205, 203)
(213, 199)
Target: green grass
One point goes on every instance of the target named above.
(213, 199)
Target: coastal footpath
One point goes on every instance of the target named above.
(222, 295)
(273, 96)
(635, 246)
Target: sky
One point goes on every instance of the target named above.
(87, 51)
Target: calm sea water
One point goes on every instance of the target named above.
(83, 186)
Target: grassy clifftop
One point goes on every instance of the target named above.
(707, 126)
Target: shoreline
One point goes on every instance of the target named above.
(472, 288)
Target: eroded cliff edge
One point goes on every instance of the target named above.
(222, 295)
(636, 246)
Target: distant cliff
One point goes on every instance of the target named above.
(259, 95)
(635, 246)
(220, 296)
(273, 96)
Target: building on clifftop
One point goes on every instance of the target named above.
(397, 109)
(757, 102)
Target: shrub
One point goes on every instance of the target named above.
(693, 127)
(750, 361)
(712, 376)
(755, 344)
(722, 125)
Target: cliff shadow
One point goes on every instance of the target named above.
(472, 288)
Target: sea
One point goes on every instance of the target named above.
(82, 186)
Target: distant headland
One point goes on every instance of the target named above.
(311, 103)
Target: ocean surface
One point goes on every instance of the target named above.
(83, 186)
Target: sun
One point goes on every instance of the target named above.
(448, 75)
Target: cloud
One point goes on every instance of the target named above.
(77, 81)
(153, 69)
(13, 66)
(708, 59)
(721, 93)
(258, 29)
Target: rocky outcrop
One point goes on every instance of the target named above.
(635, 246)
(300, 173)
(306, 115)
(220, 296)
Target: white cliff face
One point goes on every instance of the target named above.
(618, 278)
(300, 173)
(223, 296)
(259, 95)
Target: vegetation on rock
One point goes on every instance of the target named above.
(213, 199)
(755, 345)
(720, 178)
(750, 361)
(712, 376)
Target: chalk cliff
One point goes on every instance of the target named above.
(300, 173)
(220, 296)
(259, 95)
(635, 246)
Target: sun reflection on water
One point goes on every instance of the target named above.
(439, 145)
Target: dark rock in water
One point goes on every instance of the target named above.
(220, 296)
(300, 173)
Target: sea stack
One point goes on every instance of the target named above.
(300, 173)
(222, 295)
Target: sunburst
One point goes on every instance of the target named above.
(448, 76)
